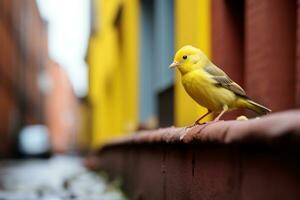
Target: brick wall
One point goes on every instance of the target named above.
(255, 159)
(256, 43)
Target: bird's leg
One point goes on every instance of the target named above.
(225, 108)
(200, 118)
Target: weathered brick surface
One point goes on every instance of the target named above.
(255, 159)
(178, 170)
(149, 186)
(269, 174)
(216, 174)
(209, 172)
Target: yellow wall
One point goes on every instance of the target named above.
(113, 59)
(113, 70)
(192, 26)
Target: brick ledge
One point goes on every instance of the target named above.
(267, 128)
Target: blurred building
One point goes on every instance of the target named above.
(23, 56)
(133, 42)
(113, 68)
(62, 110)
(33, 90)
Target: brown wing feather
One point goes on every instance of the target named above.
(223, 80)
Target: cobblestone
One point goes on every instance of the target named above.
(54, 179)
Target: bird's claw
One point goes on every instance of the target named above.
(196, 124)
(204, 123)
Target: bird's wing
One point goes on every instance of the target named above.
(223, 80)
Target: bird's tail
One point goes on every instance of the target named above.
(259, 109)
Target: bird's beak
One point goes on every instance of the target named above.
(174, 64)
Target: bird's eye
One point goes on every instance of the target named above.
(184, 57)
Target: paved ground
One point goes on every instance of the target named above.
(54, 179)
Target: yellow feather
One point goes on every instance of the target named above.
(203, 90)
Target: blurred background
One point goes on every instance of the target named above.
(77, 73)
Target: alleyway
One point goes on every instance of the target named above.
(57, 178)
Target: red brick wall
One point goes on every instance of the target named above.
(254, 159)
(271, 52)
(255, 42)
(205, 171)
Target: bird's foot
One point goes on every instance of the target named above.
(204, 123)
(195, 128)
(195, 124)
(215, 121)
(192, 129)
(191, 126)
(198, 124)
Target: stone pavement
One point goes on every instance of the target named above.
(57, 178)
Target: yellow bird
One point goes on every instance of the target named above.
(209, 86)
